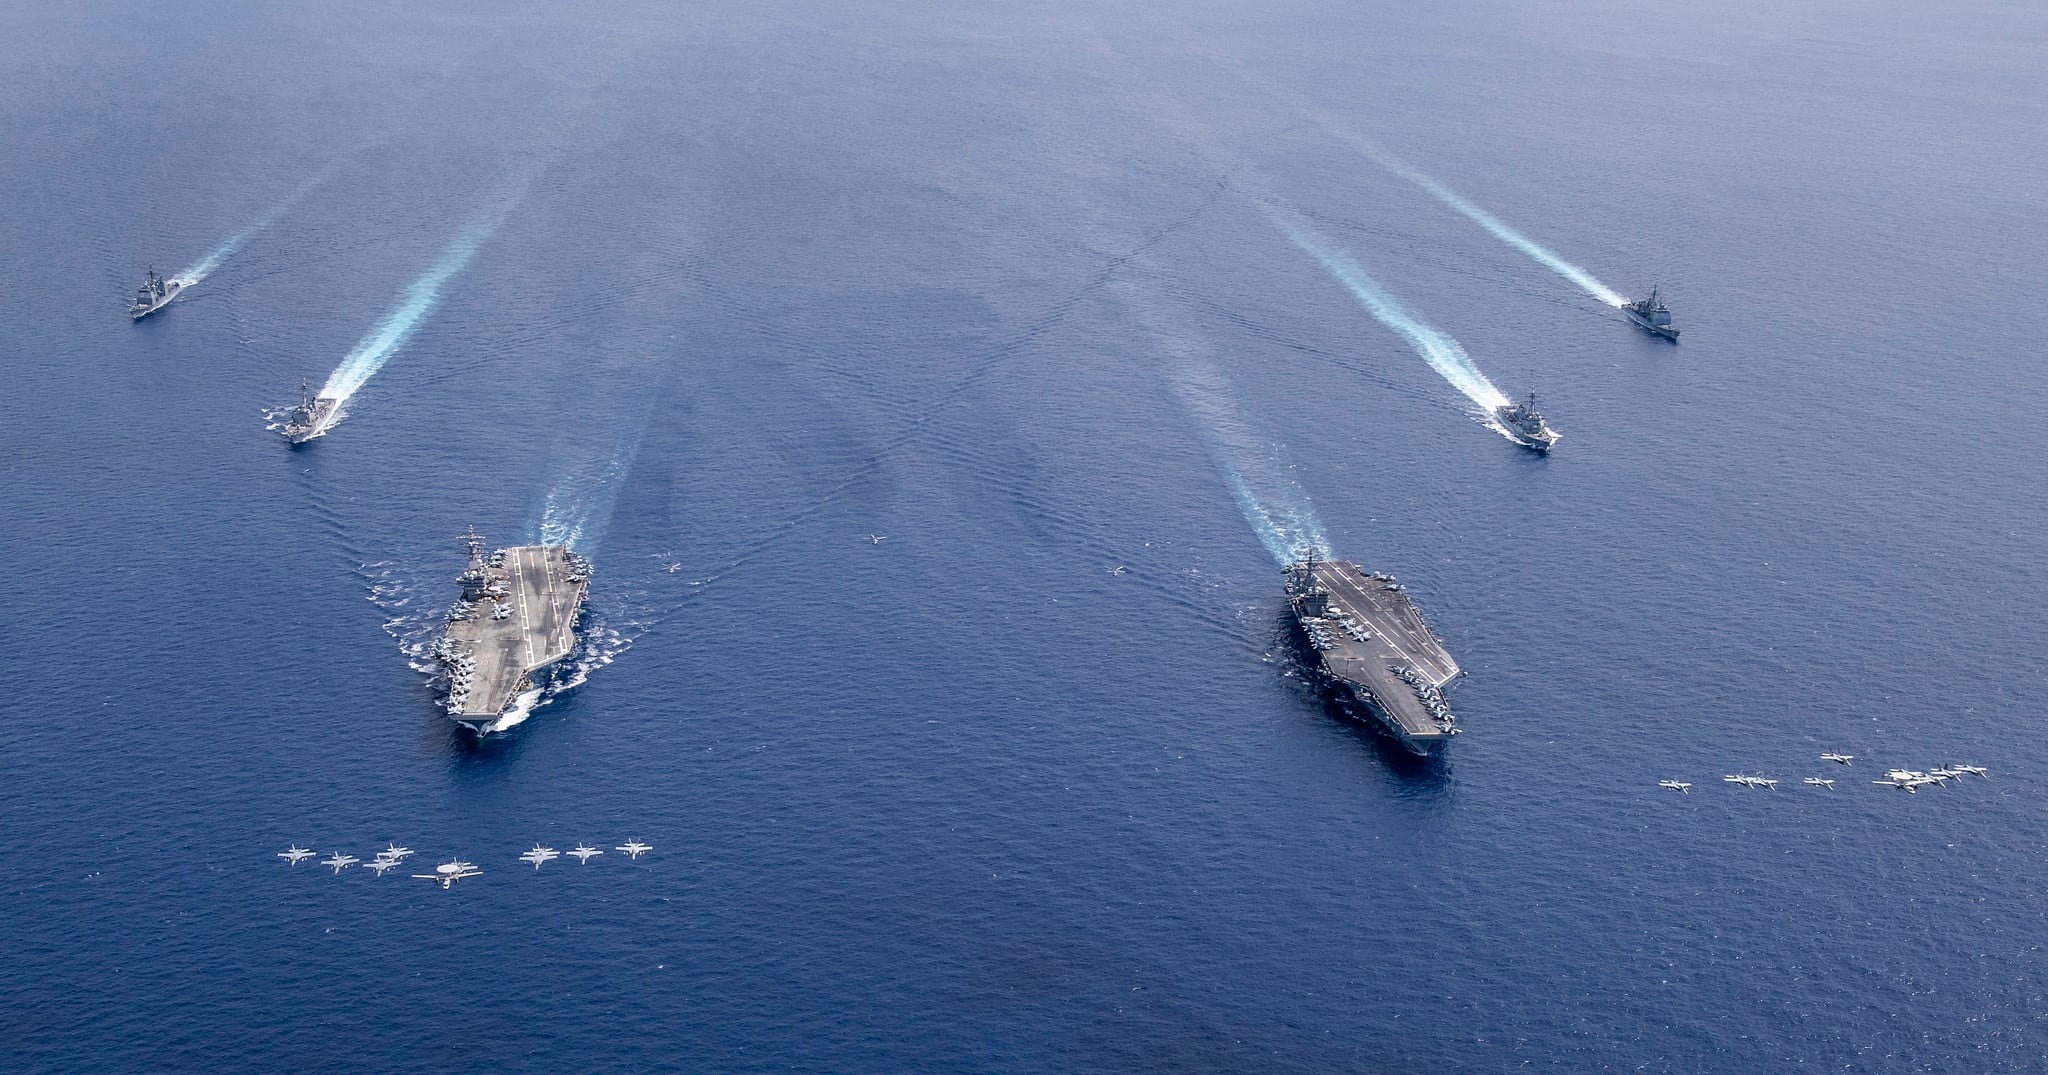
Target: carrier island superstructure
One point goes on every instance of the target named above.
(515, 620)
(1370, 645)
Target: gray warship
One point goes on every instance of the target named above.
(515, 621)
(1524, 423)
(1653, 315)
(154, 294)
(1369, 644)
(311, 418)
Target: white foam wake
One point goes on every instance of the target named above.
(579, 503)
(1494, 225)
(1387, 159)
(1259, 472)
(1444, 354)
(204, 266)
(421, 296)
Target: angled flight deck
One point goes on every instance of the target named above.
(516, 619)
(1370, 641)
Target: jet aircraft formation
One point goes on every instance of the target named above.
(447, 873)
(1904, 779)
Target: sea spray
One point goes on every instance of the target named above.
(421, 297)
(1444, 354)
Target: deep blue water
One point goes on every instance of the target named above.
(735, 285)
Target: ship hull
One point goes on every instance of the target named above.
(171, 291)
(1665, 332)
(1361, 708)
(1534, 444)
(508, 636)
(325, 413)
(1371, 656)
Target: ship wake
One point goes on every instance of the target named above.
(1494, 226)
(1443, 353)
(578, 506)
(421, 296)
(205, 266)
(1428, 184)
(1258, 472)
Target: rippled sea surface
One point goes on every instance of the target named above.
(1094, 314)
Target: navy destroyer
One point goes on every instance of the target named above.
(154, 294)
(1524, 423)
(311, 418)
(1653, 315)
(515, 620)
(1369, 643)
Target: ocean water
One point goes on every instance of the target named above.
(1033, 292)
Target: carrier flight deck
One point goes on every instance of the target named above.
(516, 619)
(1370, 642)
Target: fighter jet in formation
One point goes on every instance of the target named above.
(539, 855)
(1909, 780)
(295, 854)
(634, 848)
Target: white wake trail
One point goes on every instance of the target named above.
(1387, 159)
(579, 503)
(1494, 225)
(1444, 354)
(1259, 472)
(421, 297)
(204, 266)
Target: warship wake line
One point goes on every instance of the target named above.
(1444, 354)
(578, 507)
(421, 296)
(317, 414)
(1283, 519)
(226, 249)
(1386, 158)
(1493, 225)
(1256, 471)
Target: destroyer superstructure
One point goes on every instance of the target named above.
(154, 294)
(516, 618)
(313, 417)
(1369, 643)
(1653, 315)
(1524, 423)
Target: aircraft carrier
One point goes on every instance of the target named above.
(1369, 643)
(515, 620)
